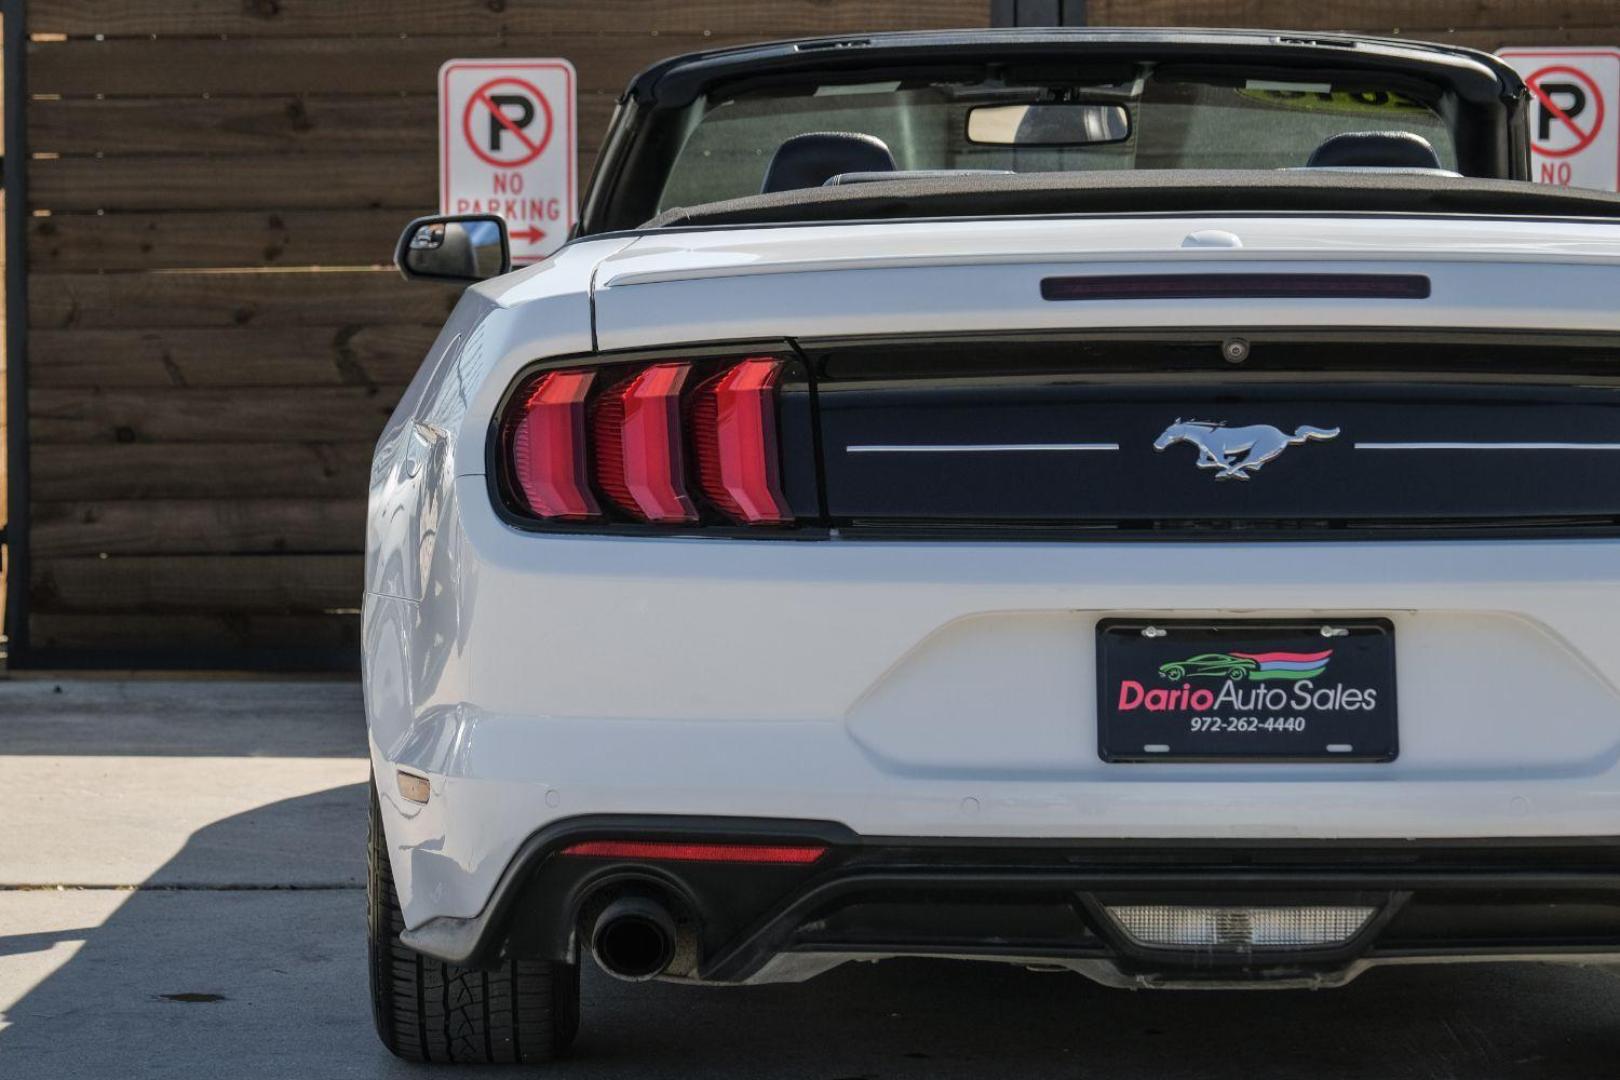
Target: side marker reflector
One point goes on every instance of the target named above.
(412, 787)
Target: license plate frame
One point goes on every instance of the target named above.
(1345, 712)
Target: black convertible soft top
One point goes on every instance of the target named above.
(650, 129)
(1149, 191)
(1475, 75)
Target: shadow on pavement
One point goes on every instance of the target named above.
(18, 944)
(277, 973)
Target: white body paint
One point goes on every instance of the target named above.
(946, 688)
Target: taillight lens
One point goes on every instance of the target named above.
(639, 464)
(584, 444)
(548, 447)
(734, 434)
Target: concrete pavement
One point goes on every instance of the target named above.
(183, 783)
(181, 866)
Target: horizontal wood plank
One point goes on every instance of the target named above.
(400, 180)
(140, 633)
(406, 181)
(271, 356)
(224, 584)
(157, 240)
(1366, 15)
(93, 471)
(197, 526)
(233, 125)
(171, 414)
(315, 18)
(1492, 38)
(604, 64)
(200, 298)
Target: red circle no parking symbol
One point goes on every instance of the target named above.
(1569, 113)
(507, 122)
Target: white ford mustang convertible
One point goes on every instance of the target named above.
(1144, 503)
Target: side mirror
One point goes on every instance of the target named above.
(463, 248)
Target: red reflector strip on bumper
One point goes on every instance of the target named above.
(678, 852)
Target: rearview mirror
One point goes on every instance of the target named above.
(463, 247)
(1073, 124)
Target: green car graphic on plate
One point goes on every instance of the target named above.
(1256, 667)
(1209, 665)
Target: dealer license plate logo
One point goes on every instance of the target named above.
(1246, 690)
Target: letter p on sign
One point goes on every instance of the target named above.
(1574, 113)
(507, 146)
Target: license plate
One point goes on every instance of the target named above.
(1258, 690)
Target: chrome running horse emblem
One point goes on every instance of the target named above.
(1237, 452)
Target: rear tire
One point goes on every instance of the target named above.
(523, 1012)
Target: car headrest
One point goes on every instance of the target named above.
(807, 161)
(1378, 149)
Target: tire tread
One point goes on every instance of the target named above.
(525, 1012)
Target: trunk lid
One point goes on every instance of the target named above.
(968, 276)
(952, 394)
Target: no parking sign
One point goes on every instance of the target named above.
(507, 146)
(1574, 114)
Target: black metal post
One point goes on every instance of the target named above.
(13, 55)
(1037, 12)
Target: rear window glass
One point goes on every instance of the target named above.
(1174, 122)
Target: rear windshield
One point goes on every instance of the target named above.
(1163, 120)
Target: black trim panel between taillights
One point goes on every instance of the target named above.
(1227, 433)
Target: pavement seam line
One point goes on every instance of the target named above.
(243, 887)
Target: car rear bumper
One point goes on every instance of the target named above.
(949, 690)
(1047, 903)
(503, 777)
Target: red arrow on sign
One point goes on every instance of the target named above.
(532, 234)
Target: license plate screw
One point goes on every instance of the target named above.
(1154, 631)
(1335, 631)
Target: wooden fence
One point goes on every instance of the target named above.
(212, 341)
(1478, 24)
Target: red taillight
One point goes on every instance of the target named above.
(548, 447)
(678, 852)
(734, 434)
(639, 463)
(584, 444)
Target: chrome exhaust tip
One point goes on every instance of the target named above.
(634, 939)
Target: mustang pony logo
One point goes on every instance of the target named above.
(1237, 452)
(1255, 667)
